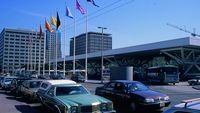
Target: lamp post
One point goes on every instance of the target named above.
(102, 67)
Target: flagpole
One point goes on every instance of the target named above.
(56, 51)
(44, 53)
(86, 41)
(50, 50)
(35, 50)
(28, 51)
(64, 45)
(31, 60)
(39, 56)
(74, 39)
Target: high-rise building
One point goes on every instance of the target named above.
(20, 48)
(51, 45)
(94, 43)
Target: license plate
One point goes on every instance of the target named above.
(162, 104)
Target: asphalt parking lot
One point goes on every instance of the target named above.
(11, 104)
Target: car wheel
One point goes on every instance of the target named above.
(132, 107)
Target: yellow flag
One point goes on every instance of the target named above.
(53, 21)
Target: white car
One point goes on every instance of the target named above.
(187, 106)
(6, 82)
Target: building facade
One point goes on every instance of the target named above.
(94, 43)
(51, 45)
(19, 48)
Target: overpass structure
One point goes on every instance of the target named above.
(183, 52)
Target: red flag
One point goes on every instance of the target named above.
(40, 31)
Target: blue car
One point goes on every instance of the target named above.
(132, 95)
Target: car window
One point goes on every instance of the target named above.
(119, 87)
(70, 90)
(35, 84)
(110, 86)
(137, 87)
(24, 83)
(51, 91)
(44, 85)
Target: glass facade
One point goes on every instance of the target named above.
(51, 45)
(94, 43)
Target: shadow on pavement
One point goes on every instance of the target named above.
(31, 109)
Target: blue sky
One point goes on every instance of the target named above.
(131, 22)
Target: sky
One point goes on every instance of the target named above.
(131, 22)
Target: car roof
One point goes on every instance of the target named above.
(58, 82)
(125, 81)
(10, 77)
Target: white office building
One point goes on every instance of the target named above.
(19, 48)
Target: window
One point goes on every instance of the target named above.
(120, 87)
(51, 91)
(44, 85)
(110, 86)
(72, 90)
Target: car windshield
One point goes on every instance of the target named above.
(35, 84)
(137, 87)
(70, 90)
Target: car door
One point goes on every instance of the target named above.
(108, 91)
(24, 87)
(120, 94)
(49, 98)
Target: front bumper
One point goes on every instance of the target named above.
(156, 105)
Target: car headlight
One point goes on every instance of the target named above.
(148, 100)
(104, 106)
(166, 98)
(74, 109)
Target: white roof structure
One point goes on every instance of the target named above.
(181, 42)
(58, 82)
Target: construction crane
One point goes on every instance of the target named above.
(192, 33)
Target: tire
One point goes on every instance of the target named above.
(132, 107)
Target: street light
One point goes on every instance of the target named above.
(102, 67)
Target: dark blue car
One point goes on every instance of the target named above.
(132, 95)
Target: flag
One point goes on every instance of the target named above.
(79, 7)
(58, 22)
(53, 21)
(48, 26)
(92, 1)
(40, 31)
(68, 12)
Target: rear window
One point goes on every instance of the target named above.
(35, 84)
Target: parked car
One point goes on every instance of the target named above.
(6, 83)
(66, 96)
(194, 81)
(1, 80)
(78, 78)
(186, 106)
(29, 89)
(132, 95)
(16, 85)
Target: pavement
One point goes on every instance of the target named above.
(197, 87)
